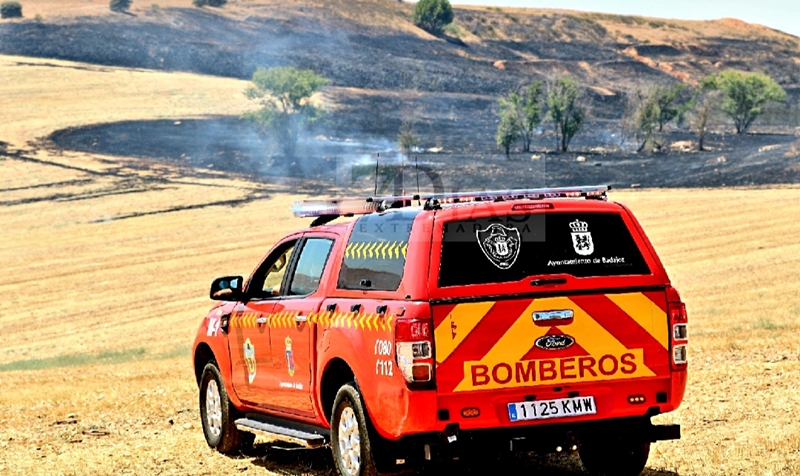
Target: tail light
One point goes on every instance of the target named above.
(679, 336)
(414, 347)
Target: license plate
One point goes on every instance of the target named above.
(557, 408)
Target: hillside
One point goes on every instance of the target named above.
(382, 68)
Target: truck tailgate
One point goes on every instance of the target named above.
(572, 340)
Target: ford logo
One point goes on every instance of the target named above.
(554, 342)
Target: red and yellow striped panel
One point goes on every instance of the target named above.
(490, 345)
(372, 322)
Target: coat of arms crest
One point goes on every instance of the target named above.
(500, 244)
(250, 360)
(581, 238)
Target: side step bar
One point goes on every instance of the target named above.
(279, 429)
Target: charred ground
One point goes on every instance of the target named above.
(383, 69)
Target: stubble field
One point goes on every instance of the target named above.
(106, 263)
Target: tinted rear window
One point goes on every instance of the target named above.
(376, 252)
(512, 248)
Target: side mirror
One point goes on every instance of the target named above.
(227, 288)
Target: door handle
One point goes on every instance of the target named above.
(261, 320)
(299, 318)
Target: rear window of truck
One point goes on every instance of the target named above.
(511, 248)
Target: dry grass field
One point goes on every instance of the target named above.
(106, 263)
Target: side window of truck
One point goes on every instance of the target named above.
(375, 255)
(266, 282)
(310, 265)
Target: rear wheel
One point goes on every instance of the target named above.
(218, 415)
(610, 455)
(350, 436)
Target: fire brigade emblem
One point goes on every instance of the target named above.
(250, 360)
(581, 238)
(500, 244)
(289, 356)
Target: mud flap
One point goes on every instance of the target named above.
(664, 432)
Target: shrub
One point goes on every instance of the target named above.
(10, 10)
(120, 5)
(433, 15)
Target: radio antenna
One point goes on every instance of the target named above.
(377, 160)
(416, 169)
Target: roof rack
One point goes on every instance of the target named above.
(329, 209)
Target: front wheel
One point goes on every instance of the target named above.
(614, 456)
(218, 415)
(350, 440)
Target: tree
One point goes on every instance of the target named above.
(120, 5)
(706, 105)
(285, 95)
(508, 129)
(10, 10)
(529, 113)
(744, 95)
(433, 15)
(565, 110)
(673, 102)
(507, 132)
(651, 109)
(642, 120)
(407, 139)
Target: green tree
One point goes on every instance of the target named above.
(672, 102)
(529, 112)
(433, 15)
(507, 132)
(565, 110)
(120, 5)
(651, 109)
(744, 95)
(285, 96)
(10, 10)
(642, 120)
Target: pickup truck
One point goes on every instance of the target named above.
(433, 326)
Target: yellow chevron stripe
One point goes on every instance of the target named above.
(646, 313)
(465, 317)
(404, 249)
(590, 335)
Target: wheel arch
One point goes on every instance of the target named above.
(337, 373)
(202, 356)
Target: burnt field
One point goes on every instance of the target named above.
(342, 161)
(383, 71)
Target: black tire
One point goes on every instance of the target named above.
(219, 426)
(350, 435)
(610, 455)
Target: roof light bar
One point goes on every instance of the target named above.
(363, 206)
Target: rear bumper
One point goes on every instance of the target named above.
(427, 412)
(547, 438)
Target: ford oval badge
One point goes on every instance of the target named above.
(554, 342)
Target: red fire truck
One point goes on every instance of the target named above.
(433, 326)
